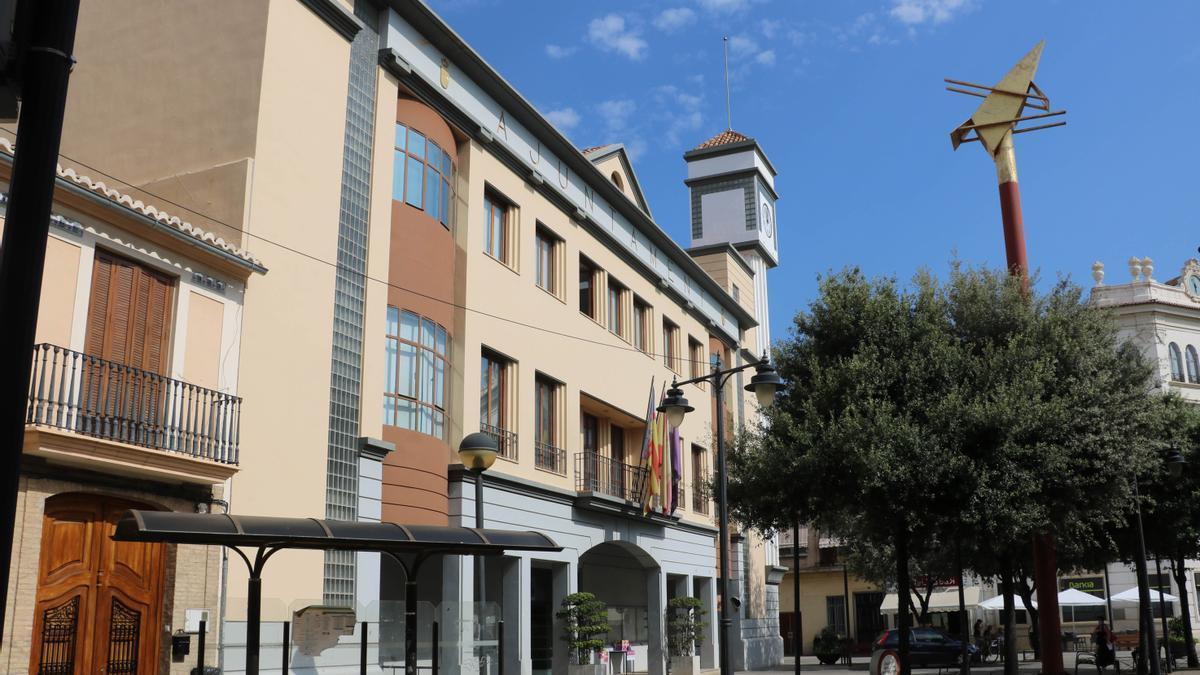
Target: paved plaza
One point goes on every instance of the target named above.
(810, 666)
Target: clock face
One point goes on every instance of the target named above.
(766, 219)
(1193, 285)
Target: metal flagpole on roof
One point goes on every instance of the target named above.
(728, 106)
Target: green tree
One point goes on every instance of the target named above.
(584, 618)
(1171, 507)
(685, 625)
(969, 412)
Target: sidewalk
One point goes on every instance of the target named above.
(862, 664)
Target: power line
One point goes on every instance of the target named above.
(389, 284)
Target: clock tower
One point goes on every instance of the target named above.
(732, 193)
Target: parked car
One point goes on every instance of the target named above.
(927, 647)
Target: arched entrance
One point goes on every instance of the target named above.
(99, 602)
(629, 582)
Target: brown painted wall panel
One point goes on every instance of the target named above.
(414, 479)
(421, 266)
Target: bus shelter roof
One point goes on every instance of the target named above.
(313, 533)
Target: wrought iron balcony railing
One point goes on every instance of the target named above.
(597, 473)
(700, 499)
(506, 441)
(549, 458)
(104, 399)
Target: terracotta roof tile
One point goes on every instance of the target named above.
(147, 210)
(724, 138)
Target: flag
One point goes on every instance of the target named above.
(664, 476)
(676, 467)
(649, 423)
(650, 453)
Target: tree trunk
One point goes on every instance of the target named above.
(904, 619)
(1010, 623)
(1180, 573)
(964, 661)
(1026, 591)
(923, 616)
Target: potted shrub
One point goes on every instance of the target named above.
(685, 630)
(1175, 639)
(584, 619)
(827, 646)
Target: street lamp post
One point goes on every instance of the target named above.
(1149, 642)
(765, 383)
(477, 452)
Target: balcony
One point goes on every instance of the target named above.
(506, 441)
(549, 458)
(700, 499)
(598, 474)
(74, 395)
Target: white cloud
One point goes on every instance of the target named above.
(679, 112)
(563, 118)
(915, 12)
(673, 19)
(616, 113)
(741, 45)
(611, 34)
(766, 58)
(724, 6)
(770, 27)
(559, 52)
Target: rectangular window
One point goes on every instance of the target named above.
(616, 307)
(494, 397)
(496, 227)
(695, 357)
(670, 345)
(699, 480)
(398, 163)
(589, 427)
(546, 262)
(432, 183)
(421, 174)
(641, 324)
(549, 454)
(587, 288)
(737, 295)
(835, 613)
(1160, 582)
(416, 144)
(415, 355)
(616, 442)
(412, 194)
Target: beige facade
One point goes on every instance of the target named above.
(256, 128)
(114, 371)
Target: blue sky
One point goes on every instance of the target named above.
(847, 99)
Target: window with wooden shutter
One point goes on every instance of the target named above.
(129, 313)
(126, 347)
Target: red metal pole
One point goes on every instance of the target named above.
(1045, 554)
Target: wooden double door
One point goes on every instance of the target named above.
(99, 602)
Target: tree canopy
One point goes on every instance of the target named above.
(968, 411)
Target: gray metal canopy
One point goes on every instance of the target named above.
(408, 545)
(312, 533)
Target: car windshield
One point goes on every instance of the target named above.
(928, 635)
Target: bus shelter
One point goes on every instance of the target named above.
(263, 536)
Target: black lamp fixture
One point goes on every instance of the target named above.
(477, 452)
(675, 405)
(765, 383)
